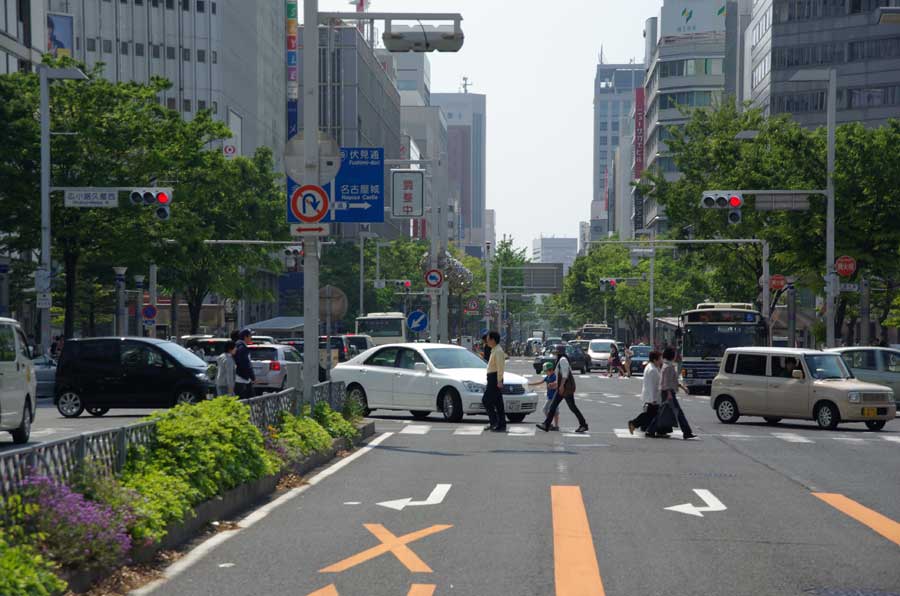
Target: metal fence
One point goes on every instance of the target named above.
(333, 392)
(107, 450)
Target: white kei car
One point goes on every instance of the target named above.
(424, 378)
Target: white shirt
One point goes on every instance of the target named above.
(650, 390)
(563, 369)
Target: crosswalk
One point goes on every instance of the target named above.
(529, 430)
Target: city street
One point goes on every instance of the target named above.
(437, 508)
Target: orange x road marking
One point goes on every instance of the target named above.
(414, 590)
(389, 544)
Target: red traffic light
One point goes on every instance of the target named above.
(735, 201)
(163, 198)
(407, 284)
(612, 283)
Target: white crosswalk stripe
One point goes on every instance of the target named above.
(792, 438)
(892, 439)
(416, 429)
(521, 431)
(469, 430)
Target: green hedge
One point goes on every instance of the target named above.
(333, 422)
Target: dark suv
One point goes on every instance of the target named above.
(579, 359)
(126, 372)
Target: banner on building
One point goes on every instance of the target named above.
(688, 17)
(293, 68)
(60, 34)
(638, 132)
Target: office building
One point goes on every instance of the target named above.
(584, 237)
(23, 35)
(467, 148)
(614, 86)
(783, 37)
(622, 202)
(192, 44)
(555, 250)
(684, 53)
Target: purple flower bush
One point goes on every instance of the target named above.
(76, 532)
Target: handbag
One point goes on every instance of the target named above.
(666, 417)
(567, 389)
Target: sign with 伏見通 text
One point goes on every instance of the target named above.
(107, 198)
(407, 193)
(357, 193)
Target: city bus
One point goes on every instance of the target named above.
(707, 331)
(595, 331)
(383, 327)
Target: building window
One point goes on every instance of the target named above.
(154, 3)
(186, 6)
(170, 103)
(170, 4)
(124, 1)
(215, 107)
(201, 56)
(186, 105)
(213, 6)
(91, 44)
(215, 57)
(201, 104)
(156, 50)
(186, 54)
(170, 52)
(138, 2)
(123, 49)
(201, 6)
(138, 49)
(107, 46)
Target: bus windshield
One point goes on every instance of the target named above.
(711, 341)
(380, 327)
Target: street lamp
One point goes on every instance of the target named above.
(828, 75)
(45, 75)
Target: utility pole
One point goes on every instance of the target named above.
(138, 305)
(864, 312)
(154, 271)
(121, 311)
(487, 285)
(831, 284)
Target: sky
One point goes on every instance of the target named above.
(535, 61)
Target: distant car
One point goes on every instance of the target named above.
(599, 350)
(579, 360)
(424, 378)
(97, 374)
(272, 365)
(639, 359)
(874, 365)
(262, 339)
(18, 385)
(342, 344)
(212, 347)
(360, 343)
(45, 371)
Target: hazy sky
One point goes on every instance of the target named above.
(535, 61)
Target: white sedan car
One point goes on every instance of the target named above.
(425, 378)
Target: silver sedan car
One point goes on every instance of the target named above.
(45, 372)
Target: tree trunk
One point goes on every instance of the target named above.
(195, 298)
(70, 258)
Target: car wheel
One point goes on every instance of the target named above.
(827, 416)
(186, 396)
(70, 405)
(97, 411)
(875, 424)
(516, 418)
(21, 435)
(727, 410)
(359, 394)
(451, 406)
(771, 420)
(420, 414)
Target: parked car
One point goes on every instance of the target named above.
(599, 350)
(45, 372)
(341, 343)
(874, 365)
(639, 359)
(18, 385)
(777, 383)
(276, 366)
(211, 347)
(360, 343)
(98, 374)
(579, 360)
(262, 339)
(425, 378)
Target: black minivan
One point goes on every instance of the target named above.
(97, 374)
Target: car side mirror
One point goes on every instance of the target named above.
(797, 374)
(420, 367)
(31, 352)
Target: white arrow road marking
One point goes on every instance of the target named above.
(435, 498)
(712, 504)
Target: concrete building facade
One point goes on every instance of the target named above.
(23, 34)
(555, 250)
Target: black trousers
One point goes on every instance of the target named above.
(570, 401)
(682, 419)
(644, 419)
(244, 390)
(493, 402)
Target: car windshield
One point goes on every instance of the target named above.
(640, 351)
(181, 355)
(827, 366)
(454, 358)
(358, 342)
(600, 346)
(711, 341)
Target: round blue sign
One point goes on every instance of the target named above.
(417, 321)
(149, 312)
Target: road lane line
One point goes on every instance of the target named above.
(879, 523)
(421, 590)
(791, 438)
(575, 560)
(892, 439)
(469, 430)
(416, 429)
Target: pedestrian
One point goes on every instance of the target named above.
(650, 393)
(549, 379)
(486, 348)
(225, 370)
(669, 385)
(628, 353)
(244, 375)
(493, 391)
(565, 390)
(615, 362)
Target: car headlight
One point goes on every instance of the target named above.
(473, 387)
(854, 397)
(201, 376)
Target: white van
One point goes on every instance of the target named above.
(18, 383)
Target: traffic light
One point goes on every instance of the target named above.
(293, 256)
(735, 202)
(403, 284)
(724, 199)
(608, 284)
(160, 199)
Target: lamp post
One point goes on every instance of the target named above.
(45, 75)
(829, 76)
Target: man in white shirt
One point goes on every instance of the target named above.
(650, 393)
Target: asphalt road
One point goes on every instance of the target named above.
(529, 513)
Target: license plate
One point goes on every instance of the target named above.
(870, 411)
(513, 406)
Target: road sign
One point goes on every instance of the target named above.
(333, 299)
(417, 321)
(308, 204)
(472, 304)
(149, 312)
(778, 282)
(149, 322)
(329, 158)
(407, 193)
(107, 198)
(229, 151)
(434, 278)
(845, 287)
(301, 230)
(44, 300)
(845, 266)
(357, 195)
(380, 284)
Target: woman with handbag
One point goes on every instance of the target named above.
(565, 391)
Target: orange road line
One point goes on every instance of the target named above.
(875, 521)
(421, 590)
(392, 544)
(330, 590)
(575, 560)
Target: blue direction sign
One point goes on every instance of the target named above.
(417, 321)
(358, 193)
